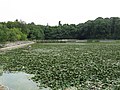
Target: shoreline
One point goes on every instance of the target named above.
(14, 45)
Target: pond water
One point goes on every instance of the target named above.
(18, 81)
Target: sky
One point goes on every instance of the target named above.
(53, 11)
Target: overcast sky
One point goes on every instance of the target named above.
(52, 11)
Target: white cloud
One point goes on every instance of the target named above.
(51, 11)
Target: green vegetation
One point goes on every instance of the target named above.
(19, 30)
(11, 34)
(100, 28)
(87, 66)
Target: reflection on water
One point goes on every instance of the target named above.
(18, 81)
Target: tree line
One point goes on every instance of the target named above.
(100, 28)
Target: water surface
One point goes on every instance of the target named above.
(18, 81)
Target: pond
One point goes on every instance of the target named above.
(18, 81)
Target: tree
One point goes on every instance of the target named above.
(35, 32)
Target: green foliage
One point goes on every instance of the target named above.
(23, 36)
(61, 32)
(35, 32)
(58, 66)
(13, 34)
(4, 33)
(100, 28)
(19, 30)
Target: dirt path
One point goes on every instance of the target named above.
(15, 45)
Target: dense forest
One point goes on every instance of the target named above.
(100, 28)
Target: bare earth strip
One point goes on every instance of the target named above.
(16, 45)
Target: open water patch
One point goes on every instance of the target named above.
(18, 81)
